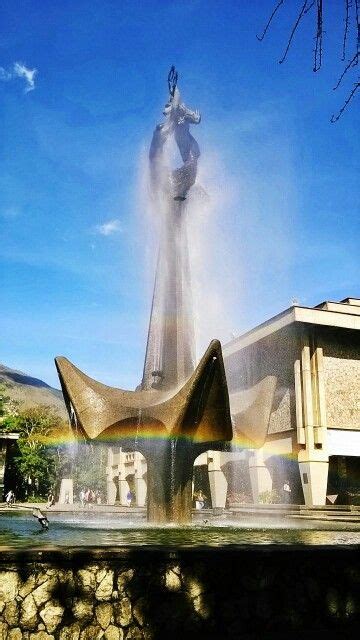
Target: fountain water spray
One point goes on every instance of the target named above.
(179, 410)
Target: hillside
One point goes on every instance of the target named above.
(30, 391)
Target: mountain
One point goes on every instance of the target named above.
(31, 391)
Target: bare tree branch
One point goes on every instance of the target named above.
(346, 27)
(319, 36)
(357, 16)
(309, 7)
(351, 13)
(301, 14)
(260, 38)
(349, 98)
(353, 62)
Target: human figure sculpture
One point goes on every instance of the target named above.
(177, 123)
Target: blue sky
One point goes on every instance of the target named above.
(73, 249)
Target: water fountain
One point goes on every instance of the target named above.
(94, 574)
(179, 410)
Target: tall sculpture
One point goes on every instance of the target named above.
(170, 352)
(178, 411)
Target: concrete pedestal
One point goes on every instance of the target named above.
(217, 480)
(260, 477)
(110, 492)
(66, 494)
(314, 477)
(124, 489)
(140, 490)
(218, 489)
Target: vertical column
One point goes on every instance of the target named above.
(110, 484)
(313, 457)
(124, 487)
(217, 480)
(260, 477)
(140, 484)
(66, 493)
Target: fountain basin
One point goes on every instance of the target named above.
(246, 591)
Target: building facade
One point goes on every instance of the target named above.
(294, 386)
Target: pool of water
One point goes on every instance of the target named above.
(82, 530)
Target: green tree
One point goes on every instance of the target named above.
(35, 465)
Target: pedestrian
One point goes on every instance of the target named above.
(10, 498)
(87, 497)
(287, 491)
(50, 500)
(82, 497)
(129, 498)
(200, 500)
(42, 519)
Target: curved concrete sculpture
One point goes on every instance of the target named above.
(169, 429)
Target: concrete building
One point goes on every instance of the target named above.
(294, 384)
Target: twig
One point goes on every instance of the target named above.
(353, 62)
(260, 38)
(346, 27)
(357, 16)
(319, 35)
(349, 98)
(309, 8)
(293, 31)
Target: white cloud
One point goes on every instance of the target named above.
(109, 228)
(20, 70)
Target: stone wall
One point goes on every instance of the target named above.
(342, 377)
(257, 592)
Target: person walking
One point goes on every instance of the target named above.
(10, 498)
(286, 491)
(50, 500)
(128, 498)
(82, 497)
(200, 500)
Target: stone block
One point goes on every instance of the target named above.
(122, 612)
(72, 632)
(113, 633)
(52, 615)
(172, 580)
(11, 613)
(124, 578)
(105, 587)
(41, 635)
(29, 614)
(15, 634)
(86, 579)
(9, 584)
(44, 592)
(92, 632)
(3, 630)
(104, 614)
(82, 609)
